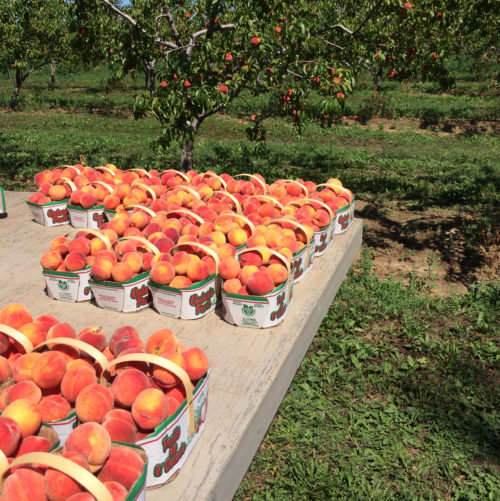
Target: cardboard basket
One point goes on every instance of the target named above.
(259, 311)
(91, 218)
(171, 442)
(190, 302)
(68, 286)
(51, 213)
(84, 477)
(343, 219)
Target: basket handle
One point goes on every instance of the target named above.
(141, 207)
(302, 186)
(213, 174)
(18, 336)
(181, 187)
(269, 198)
(239, 217)
(71, 184)
(141, 171)
(169, 366)
(253, 176)
(311, 201)
(188, 212)
(108, 170)
(178, 172)
(144, 241)
(84, 477)
(145, 187)
(106, 185)
(232, 197)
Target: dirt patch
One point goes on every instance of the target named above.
(429, 246)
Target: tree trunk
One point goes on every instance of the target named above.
(53, 67)
(187, 156)
(379, 79)
(17, 87)
(151, 76)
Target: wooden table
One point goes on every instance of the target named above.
(251, 368)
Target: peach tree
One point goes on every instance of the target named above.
(203, 54)
(33, 34)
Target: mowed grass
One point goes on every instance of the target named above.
(398, 396)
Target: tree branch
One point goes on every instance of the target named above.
(175, 32)
(370, 14)
(198, 34)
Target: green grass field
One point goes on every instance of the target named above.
(398, 396)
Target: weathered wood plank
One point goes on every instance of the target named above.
(251, 368)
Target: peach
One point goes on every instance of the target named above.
(10, 435)
(94, 336)
(24, 389)
(118, 491)
(250, 258)
(165, 378)
(197, 271)
(121, 430)
(39, 198)
(121, 333)
(58, 485)
(101, 269)
(134, 259)
(54, 408)
(5, 369)
(180, 262)
(232, 286)
(180, 282)
(48, 369)
(260, 283)
(110, 235)
(196, 363)
(26, 413)
(57, 192)
(62, 329)
(75, 380)
(80, 244)
(60, 244)
(139, 219)
(21, 368)
(150, 408)
(111, 201)
(51, 260)
(160, 341)
(246, 272)
(129, 345)
(124, 465)
(229, 268)
(25, 484)
(210, 262)
(75, 261)
(35, 332)
(162, 272)
(47, 320)
(33, 443)
(278, 272)
(218, 237)
(119, 226)
(93, 402)
(88, 200)
(127, 385)
(122, 272)
(96, 245)
(237, 237)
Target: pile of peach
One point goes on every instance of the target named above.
(48, 385)
(90, 447)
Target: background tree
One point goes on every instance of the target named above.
(205, 53)
(34, 33)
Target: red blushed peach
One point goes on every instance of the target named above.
(119, 226)
(94, 336)
(62, 329)
(38, 198)
(101, 270)
(246, 272)
(162, 272)
(196, 363)
(250, 258)
(180, 262)
(172, 233)
(181, 282)
(24, 389)
(75, 261)
(51, 260)
(25, 484)
(110, 235)
(85, 496)
(35, 332)
(237, 237)
(21, 368)
(10, 435)
(54, 408)
(122, 272)
(27, 415)
(150, 408)
(96, 245)
(57, 192)
(139, 220)
(117, 491)
(218, 237)
(123, 246)
(111, 201)
(134, 259)
(260, 283)
(197, 271)
(58, 485)
(127, 385)
(165, 378)
(226, 249)
(120, 430)
(129, 343)
(80, 245)
(5, 369)
(229, 267)
(278, 272)
(75, 380)
(232, 286)
(160, 341)
(33, 443)
(47, 320)
(93, 402)
(120, 334)
(60, 244)
(210, 262)
(164, 244)
(124, 465)
(88, 200)
(147, 261)
(48, 369)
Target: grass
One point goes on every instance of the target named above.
(398, 396)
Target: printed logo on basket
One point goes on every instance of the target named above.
(202, 302)
(344, 221)
(58, 215)
(63, 285)
(296, 268)
(248, 310)
(322, 246)
(280, 299)
(98, 218)
(142, 295)
(175, 452)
